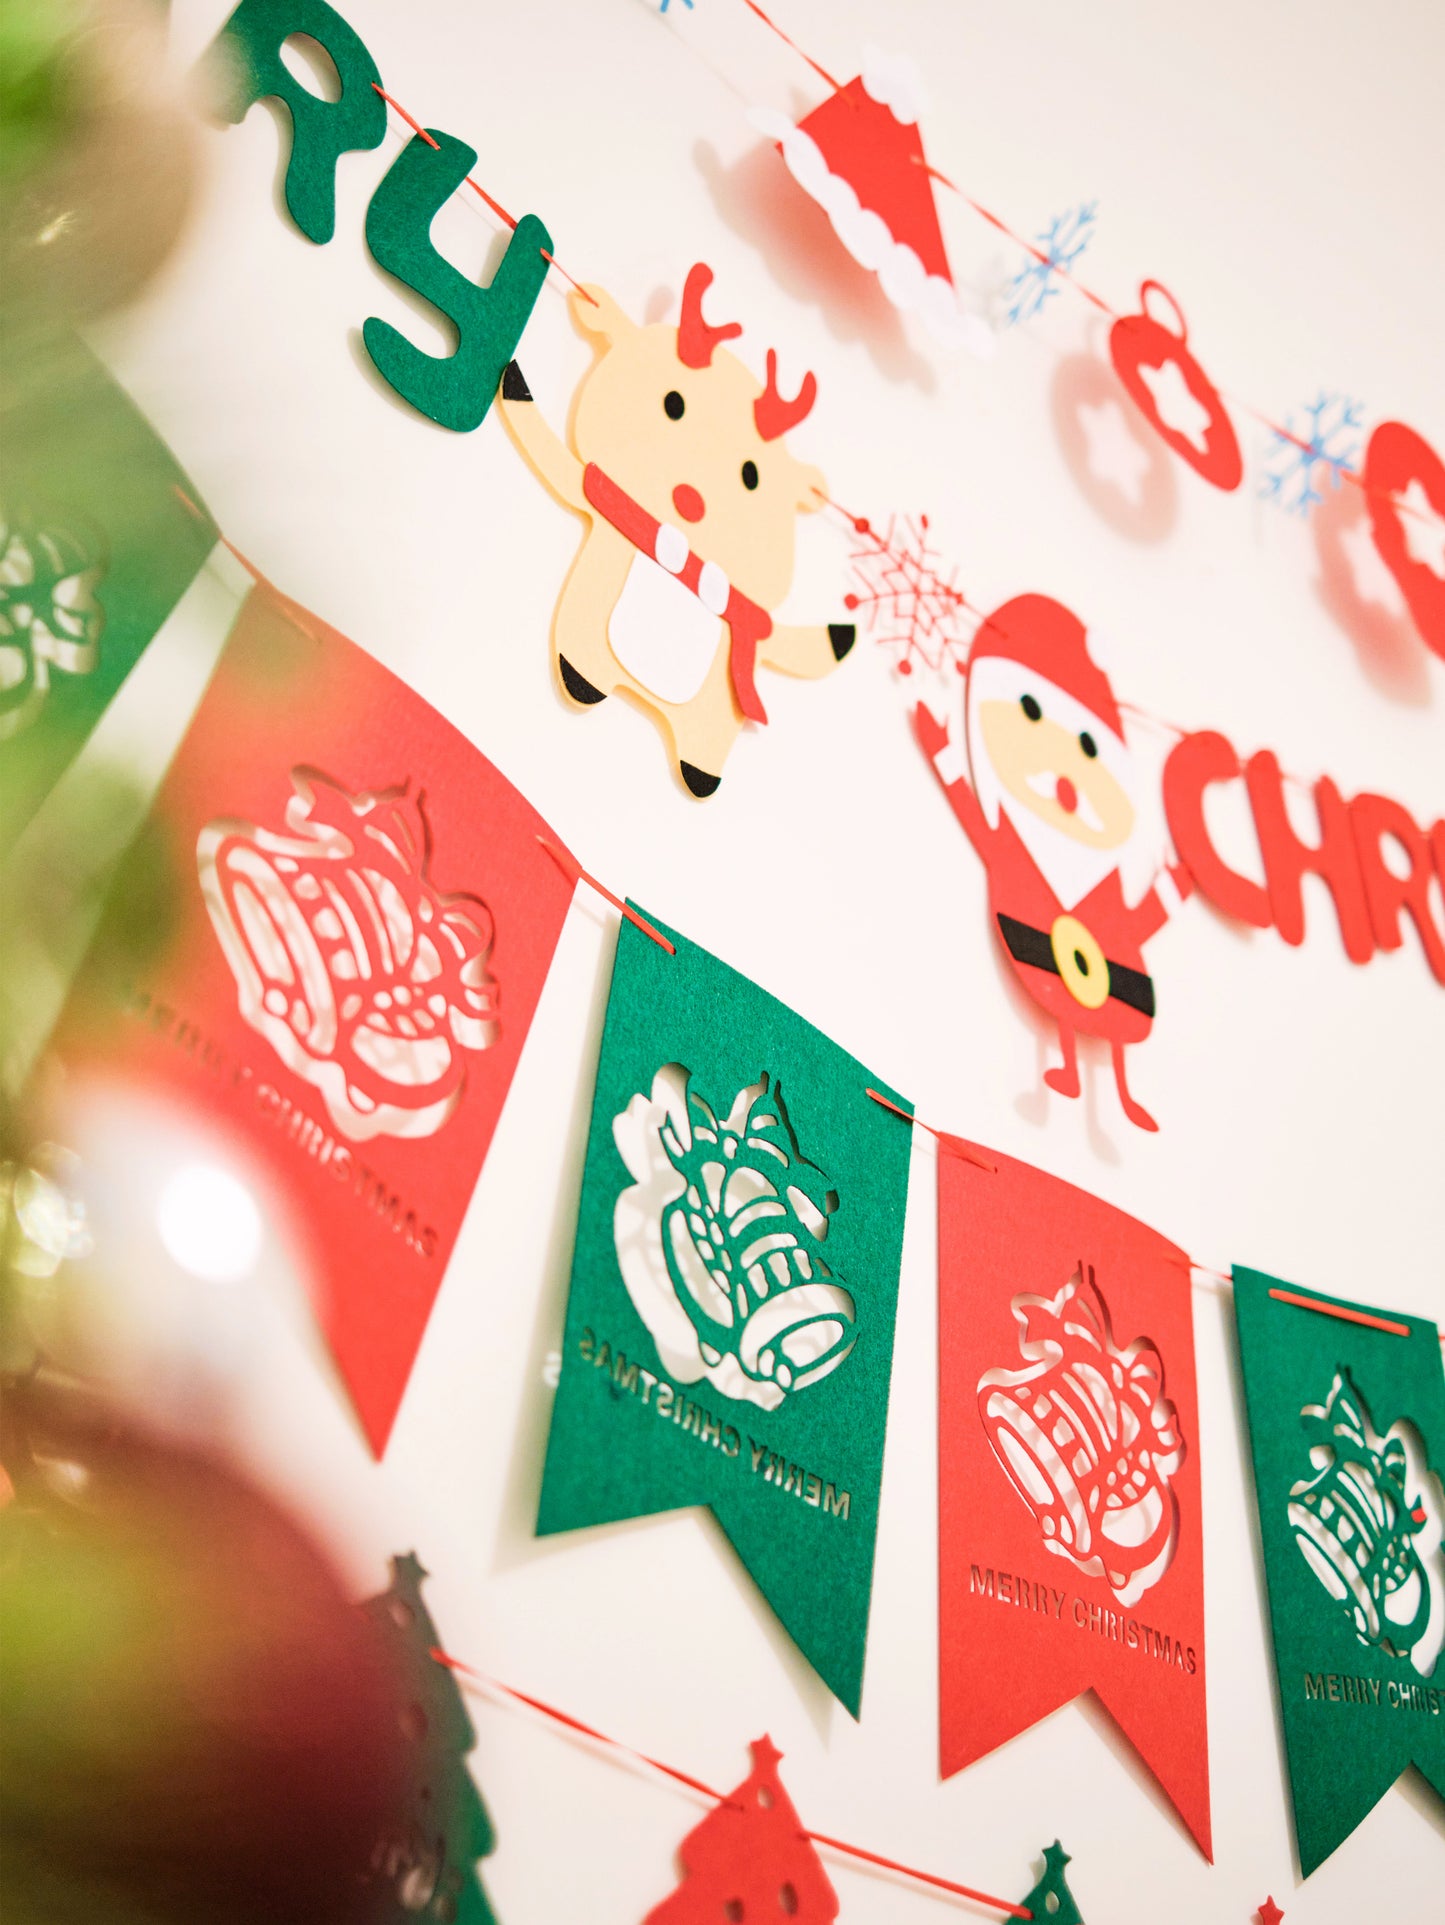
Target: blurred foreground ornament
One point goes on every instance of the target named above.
(199, 1725)
(98, 159)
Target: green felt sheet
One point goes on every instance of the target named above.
(96, 549)
(1347, 1425)
(251, 69)
(454, 390)
(775, 1420)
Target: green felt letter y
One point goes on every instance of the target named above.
(457, 389)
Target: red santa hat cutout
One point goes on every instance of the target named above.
(860, 156)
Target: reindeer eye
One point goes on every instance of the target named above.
(750, 474)
(673, 404)
(1088, 744)
(1030, 708)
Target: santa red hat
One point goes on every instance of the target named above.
(1044, 638)
(860, 156)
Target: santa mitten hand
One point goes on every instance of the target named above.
(931, 734)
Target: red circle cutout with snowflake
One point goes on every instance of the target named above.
(1405, 487)
(1173, 392)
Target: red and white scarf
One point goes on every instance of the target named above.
(747, 624)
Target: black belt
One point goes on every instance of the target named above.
(1035, 947)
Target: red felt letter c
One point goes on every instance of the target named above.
(1196, 762)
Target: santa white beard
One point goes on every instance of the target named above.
(1070, 868)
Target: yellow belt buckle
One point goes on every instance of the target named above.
(1080, 962)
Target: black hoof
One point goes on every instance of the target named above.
(514, 384)
(842, 635)
(577, 686)
(698, 781)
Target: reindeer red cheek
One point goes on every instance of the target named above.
(688, 502)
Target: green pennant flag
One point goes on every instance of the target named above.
(96, 550)
(1347, 1422)
(729, 1330)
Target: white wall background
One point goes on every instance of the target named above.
(1279, 167)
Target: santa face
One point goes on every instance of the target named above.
(1055, 769)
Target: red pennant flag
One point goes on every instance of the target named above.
(364, 917)
(1071, 1554)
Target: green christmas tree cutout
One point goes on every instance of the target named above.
(1051, 1901)
(425, 1867)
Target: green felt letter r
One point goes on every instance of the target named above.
(321, 130)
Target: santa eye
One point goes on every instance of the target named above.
(750, 474)
(673, 405)
(1088, 744)
(1031, 708)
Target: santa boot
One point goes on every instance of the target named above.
(1135, 1112)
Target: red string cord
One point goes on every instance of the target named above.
(477, 188)
(773, 27)
(1346, 1316)
(570, 1723)
(573, 870)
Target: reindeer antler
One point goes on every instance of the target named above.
(695, 339)
(773, 415)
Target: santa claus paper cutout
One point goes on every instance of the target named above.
(860, 156)
(1046, 791)
(364, 918)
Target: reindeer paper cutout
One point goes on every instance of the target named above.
(667, 424)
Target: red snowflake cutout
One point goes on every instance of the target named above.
(904, 597)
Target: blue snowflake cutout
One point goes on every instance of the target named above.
(1300, 466)
(1062, 242)
(667, 3)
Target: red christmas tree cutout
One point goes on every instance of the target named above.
(750, 1860)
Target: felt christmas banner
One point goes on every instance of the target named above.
(245, 65)
(729, 1331)
(426, 1864)
(364, 917)
(96, 550)
(669, 427)
(1347, 1426)
(1071, 1554)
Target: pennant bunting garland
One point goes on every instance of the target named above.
(1347, 1425)
(729, 1330)
(364, 920)
(425, 1866)
(1070, 1545)
(96, 551)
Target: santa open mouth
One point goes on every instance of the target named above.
(1060, 789)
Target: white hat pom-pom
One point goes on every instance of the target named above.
(894, 82)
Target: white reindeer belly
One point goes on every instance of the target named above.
(661, 633)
